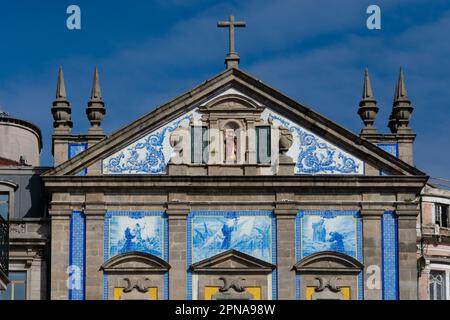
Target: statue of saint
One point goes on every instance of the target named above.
(230, 146)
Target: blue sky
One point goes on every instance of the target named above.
(151, 51)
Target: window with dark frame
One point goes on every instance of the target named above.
(437, 285)
(442, 215)
(199, 144)
(17, 288)
(4, 206)
(263, 144)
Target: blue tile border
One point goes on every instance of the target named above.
(391, 148)
(77, 252)
(389, 256)
(329, 213)
(75, 149)
(106, 257)
(193, 213)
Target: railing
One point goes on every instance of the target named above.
(4, 245)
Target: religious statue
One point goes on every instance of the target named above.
(230, 146)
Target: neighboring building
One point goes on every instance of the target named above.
(23, 209)
(233, 180)
(434, 244)
(4, 242)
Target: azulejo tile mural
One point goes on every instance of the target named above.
(314, 155)
(328, 231)
(135, 231)
(339, 231)
(212, 232)
(149, 154)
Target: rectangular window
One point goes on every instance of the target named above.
(199, 144)
(442, 215)
(263, 144)
(4, 206)
(437, 285)
(17, 288)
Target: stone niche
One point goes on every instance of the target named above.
(232, 275)
(135, 276)
(328, 275)
(232, 122)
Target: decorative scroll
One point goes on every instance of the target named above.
(313, 155)
(145, 156)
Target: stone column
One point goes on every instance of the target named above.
(177, 251)
(407, 247)
(94, 253)
(285, 215)
(371, 221)
(60, 233)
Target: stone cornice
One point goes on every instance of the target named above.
(411, 183)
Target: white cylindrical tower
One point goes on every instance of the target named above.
(20, 141)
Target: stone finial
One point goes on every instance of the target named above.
(60, 86)
(368, 109)
(96, 107)
(402, 109)
(61, 110)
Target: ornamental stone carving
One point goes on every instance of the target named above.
(232, 289)
(286, 140)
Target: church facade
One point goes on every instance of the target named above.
(233, 190)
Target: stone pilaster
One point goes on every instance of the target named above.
(177, 218)
(38, 285)
(251, 142)
(405, 147)
(95, 219)
(60, 231)
(285, 215)
(371, 221)
(407, 247)
(424, 283)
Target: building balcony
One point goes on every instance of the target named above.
(435, 231)
(4, 253)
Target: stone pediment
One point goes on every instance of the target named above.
(135, 262)
(202, 98)
(232, 261)
(329, 261)
(231, 103)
